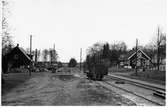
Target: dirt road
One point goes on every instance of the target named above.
(61, 89)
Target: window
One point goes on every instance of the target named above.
(16, 57)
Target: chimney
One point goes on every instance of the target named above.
(17, 45)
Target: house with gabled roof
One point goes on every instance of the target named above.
(143, 60)
(15, 58)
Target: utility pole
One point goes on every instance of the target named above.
(30, 55)
(80, 58)
(158, 45)
(36, 51)
(30, 44)
(54, 52)
(136, 55)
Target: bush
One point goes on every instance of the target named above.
(72, 62)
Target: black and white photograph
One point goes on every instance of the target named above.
(83, 52)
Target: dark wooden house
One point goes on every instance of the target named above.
(15, 58)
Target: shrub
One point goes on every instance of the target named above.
(72, 62)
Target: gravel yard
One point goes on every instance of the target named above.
(61, 89)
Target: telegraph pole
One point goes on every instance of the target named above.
(80, 58)
(30, 44)
(158, 45)
(36, 51)
(54, 52)
(136, 55)
(30, 55)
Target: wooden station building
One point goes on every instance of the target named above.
(143, 60)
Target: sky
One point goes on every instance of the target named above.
(75, 24)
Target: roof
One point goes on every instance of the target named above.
(24, 52)
(131, 53)
(141, 52)
(21, 50)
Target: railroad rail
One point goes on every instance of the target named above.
(158, 91)
(154, 100)
(145, 85)
(133, 94)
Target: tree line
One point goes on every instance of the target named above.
(107, 51)
(45, 55)
(155, 48)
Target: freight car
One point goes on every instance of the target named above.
(97, 67)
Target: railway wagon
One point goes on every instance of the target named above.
(97, 68)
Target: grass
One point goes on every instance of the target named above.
(158, 77)
(13, 80)
(120, 70)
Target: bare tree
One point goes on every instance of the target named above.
(38, 54)
(97, 47)
(53, 55)
(28, 50)
(112, 51)
(119, 46)
(161, 41)
(45, 54)
(157, 47)
(7, 42)
(117, 49)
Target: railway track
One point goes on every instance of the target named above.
(139, 84)
(136, 97)
(135, 91)
(141, 94)
(157, 90)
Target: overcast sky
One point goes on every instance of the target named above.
(75, 24)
